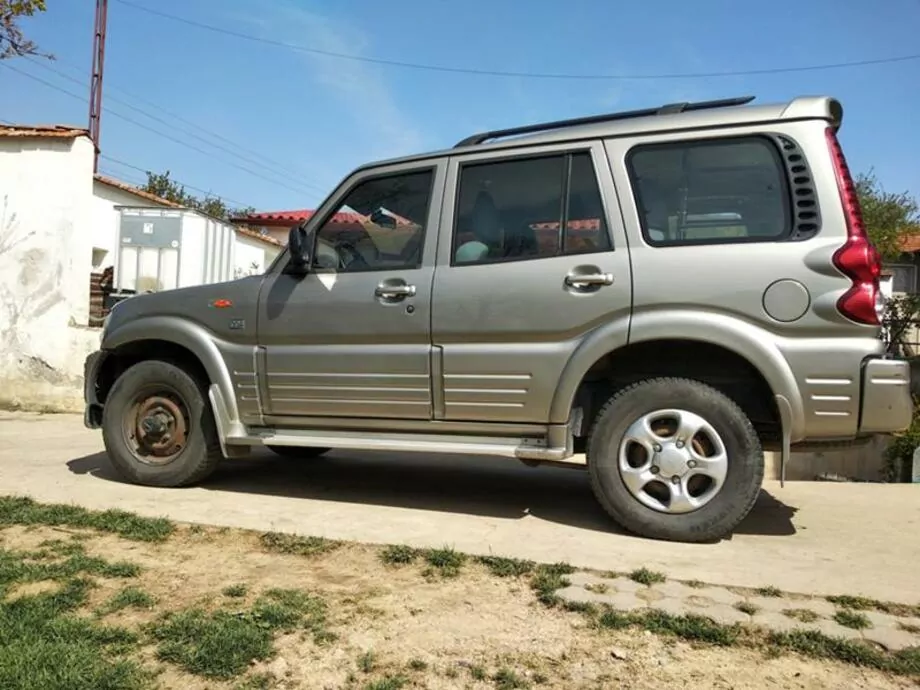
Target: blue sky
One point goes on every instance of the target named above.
(310, 118)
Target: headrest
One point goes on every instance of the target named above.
(486, 222)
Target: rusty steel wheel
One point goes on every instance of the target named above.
(156, 426)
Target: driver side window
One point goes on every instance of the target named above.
(380, 225)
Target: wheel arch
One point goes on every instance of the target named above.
(176, 340)
(670, 331)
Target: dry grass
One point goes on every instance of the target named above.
(225, 609)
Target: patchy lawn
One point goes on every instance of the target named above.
(112, 601)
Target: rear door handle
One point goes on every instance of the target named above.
(395, 291)
(588, 279)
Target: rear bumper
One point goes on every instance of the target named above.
(886, 405)
(92, 412)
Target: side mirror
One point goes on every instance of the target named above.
(300, 247)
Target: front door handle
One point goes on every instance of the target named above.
(395, 291)
(588, 279)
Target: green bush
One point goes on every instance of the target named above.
(902, 312)
(900, 451)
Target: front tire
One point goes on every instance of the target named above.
(158, 428)
(675, 459)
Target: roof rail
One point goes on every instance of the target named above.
(668, 109)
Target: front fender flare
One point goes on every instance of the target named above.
(187, 334)
(744, 339)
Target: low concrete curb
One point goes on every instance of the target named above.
(721, 605)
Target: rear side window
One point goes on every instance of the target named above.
(711, 192)
(529, 208)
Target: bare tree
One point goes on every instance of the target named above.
(13, 42)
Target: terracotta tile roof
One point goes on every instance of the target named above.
(270, 217)
(131, 189)
(288, 218)
(587, 224)
(910, 244)
(50, 131)
(294, 217)
(256, 235)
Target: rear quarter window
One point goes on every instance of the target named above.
(714, 191)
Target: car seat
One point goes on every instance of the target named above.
(486, 226)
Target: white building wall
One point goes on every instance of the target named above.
(278, 233)
(252, 256)
(46, 239)
(55, 219)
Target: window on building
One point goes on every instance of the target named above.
(903, 278)
(707, 192)
(529, 208)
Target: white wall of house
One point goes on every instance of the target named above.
(106, 218)
(57, 225)
(279, 233)
(252, 256)
(46, 231)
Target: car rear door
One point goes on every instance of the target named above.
(531, 258)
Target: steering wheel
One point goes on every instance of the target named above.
(352, 251)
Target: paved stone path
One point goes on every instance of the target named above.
(780, 613)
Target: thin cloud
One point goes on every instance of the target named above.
(360, 86)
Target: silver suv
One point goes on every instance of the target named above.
(655, 296)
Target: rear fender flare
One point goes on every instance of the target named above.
(746, 340)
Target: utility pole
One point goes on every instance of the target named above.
(95, 85)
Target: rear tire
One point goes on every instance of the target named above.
(298, 452)
(657, 478)
(158, 428)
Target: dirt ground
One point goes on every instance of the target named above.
(466, 631)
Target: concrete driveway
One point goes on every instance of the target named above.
(818, 538)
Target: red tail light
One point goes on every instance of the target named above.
(857, 259)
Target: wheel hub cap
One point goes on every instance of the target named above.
(672, 461)
(159, 429)
(155, 426)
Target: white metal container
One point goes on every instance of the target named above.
(163, 249)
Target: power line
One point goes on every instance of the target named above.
(233, 152)
(151, 129)
(120, 162)
(239, 147)
(121, 176)
(524, 75)
(180, 182)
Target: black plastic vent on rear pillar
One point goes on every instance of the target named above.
(806, 215)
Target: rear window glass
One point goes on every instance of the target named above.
(709, 192)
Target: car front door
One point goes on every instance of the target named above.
(532, 258)
(352, 338)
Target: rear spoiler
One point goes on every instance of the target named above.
(811, 107)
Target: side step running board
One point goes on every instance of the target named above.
(235, 435)
(524, 449)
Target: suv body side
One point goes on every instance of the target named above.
(501, 360)
(678, 289)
